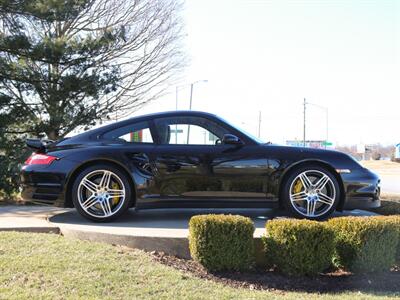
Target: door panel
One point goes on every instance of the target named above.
(136, 142)
(211, 173)
(194, 167)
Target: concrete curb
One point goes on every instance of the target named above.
(173, 246)
(54, 230)
(176, 246)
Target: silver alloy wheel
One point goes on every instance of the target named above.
(98, 197)
(317, 194)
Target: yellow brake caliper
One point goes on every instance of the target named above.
(297, 187)
(115, 186)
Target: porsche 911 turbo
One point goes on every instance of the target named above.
(188, 159)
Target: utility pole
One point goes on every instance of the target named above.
(327, 121)
(259, 124)
(304, 123)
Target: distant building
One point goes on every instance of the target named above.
(397, 152)
(309, 144)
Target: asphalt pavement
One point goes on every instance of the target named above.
(146, 223)
(390, 184)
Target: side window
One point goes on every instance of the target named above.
(132, 133)
(189, 131)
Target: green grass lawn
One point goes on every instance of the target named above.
(45, 266)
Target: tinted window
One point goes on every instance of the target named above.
(244, 132)
(189, 131)
(132, 133)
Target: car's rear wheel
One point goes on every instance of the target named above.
(311, 192)
(101, 193)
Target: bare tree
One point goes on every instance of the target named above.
(69, 62)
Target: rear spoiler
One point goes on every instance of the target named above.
(38, 145)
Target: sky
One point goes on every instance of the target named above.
(267, 56)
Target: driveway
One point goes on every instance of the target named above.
(147, 223)
(149, 230)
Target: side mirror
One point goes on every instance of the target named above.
(230, 139)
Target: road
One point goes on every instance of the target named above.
(389, 172)
(390, 184)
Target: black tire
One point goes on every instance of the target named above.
(120, 208)
(295, 208)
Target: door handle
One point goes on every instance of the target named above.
(140, 158)
(142, 161)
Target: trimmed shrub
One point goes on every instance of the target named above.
(365, 244)
(222, 242)
(299, 247)
(396, 222)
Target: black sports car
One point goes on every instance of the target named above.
(191, 159)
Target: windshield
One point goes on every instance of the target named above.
(254, 138)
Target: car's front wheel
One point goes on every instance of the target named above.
(311, 192)
(101, 193)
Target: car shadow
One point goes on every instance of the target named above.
(179, 218)
(164, 218)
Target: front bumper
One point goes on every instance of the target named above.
(362, 189)
(361, 203)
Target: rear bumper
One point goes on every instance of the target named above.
(362, 189)
(46, 183)
(43, 193)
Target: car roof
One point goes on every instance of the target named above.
(173, 113)
(98, 131)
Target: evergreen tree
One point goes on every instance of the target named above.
(67, 63)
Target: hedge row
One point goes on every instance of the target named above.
(297, 247)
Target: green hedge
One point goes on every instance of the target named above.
(299, 247)
(365, 244)
(222, 242)
(395, 220)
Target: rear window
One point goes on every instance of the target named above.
(132, 133)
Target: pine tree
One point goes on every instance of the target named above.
(67, 63)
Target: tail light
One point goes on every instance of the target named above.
(40, 159)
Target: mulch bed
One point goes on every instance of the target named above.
(270, 280)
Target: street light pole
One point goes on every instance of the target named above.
(191, 95)
(327, 126)
(191, 102)
(327, 120)
(191, 91)
(176, 98)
